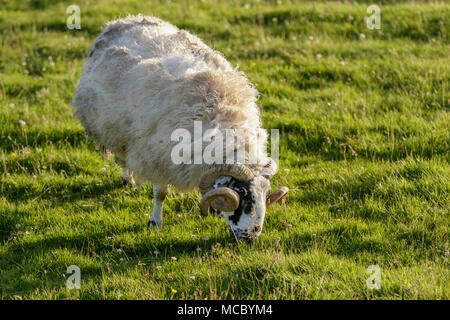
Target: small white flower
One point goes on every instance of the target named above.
(158, 267)
(192, 277)
(198, 249)
(156, 252)
(18, 225)
(22, 123)
(205, 238)
(318, 56)
(174, 258)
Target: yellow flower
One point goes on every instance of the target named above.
(206, 298)
(174, 291)
(253, 63)
(13, 154)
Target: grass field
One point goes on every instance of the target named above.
(364, 124)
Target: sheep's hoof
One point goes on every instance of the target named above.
(126, 182)
(153, 225)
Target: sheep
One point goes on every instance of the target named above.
(143, 79)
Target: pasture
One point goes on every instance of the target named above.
(364, 126)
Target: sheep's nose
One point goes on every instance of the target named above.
(246, 237)
(242, 235)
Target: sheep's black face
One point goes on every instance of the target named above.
(247, 220)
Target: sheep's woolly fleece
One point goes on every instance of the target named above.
(144, 78)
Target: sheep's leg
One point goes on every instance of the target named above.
(127, 178)
(127, 175)
(159, 194)
(106, 153)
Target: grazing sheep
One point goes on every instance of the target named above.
(143, 79)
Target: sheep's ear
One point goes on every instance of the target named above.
(269, 170)
(278, 196)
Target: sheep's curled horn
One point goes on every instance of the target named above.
(280, 195)
(226, 199)
(223, 199)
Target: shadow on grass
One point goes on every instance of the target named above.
(345, 241)
(15, 260)
(59, 194)
(315, 141)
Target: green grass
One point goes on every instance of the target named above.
(364, 122)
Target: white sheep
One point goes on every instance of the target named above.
(143, 79)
